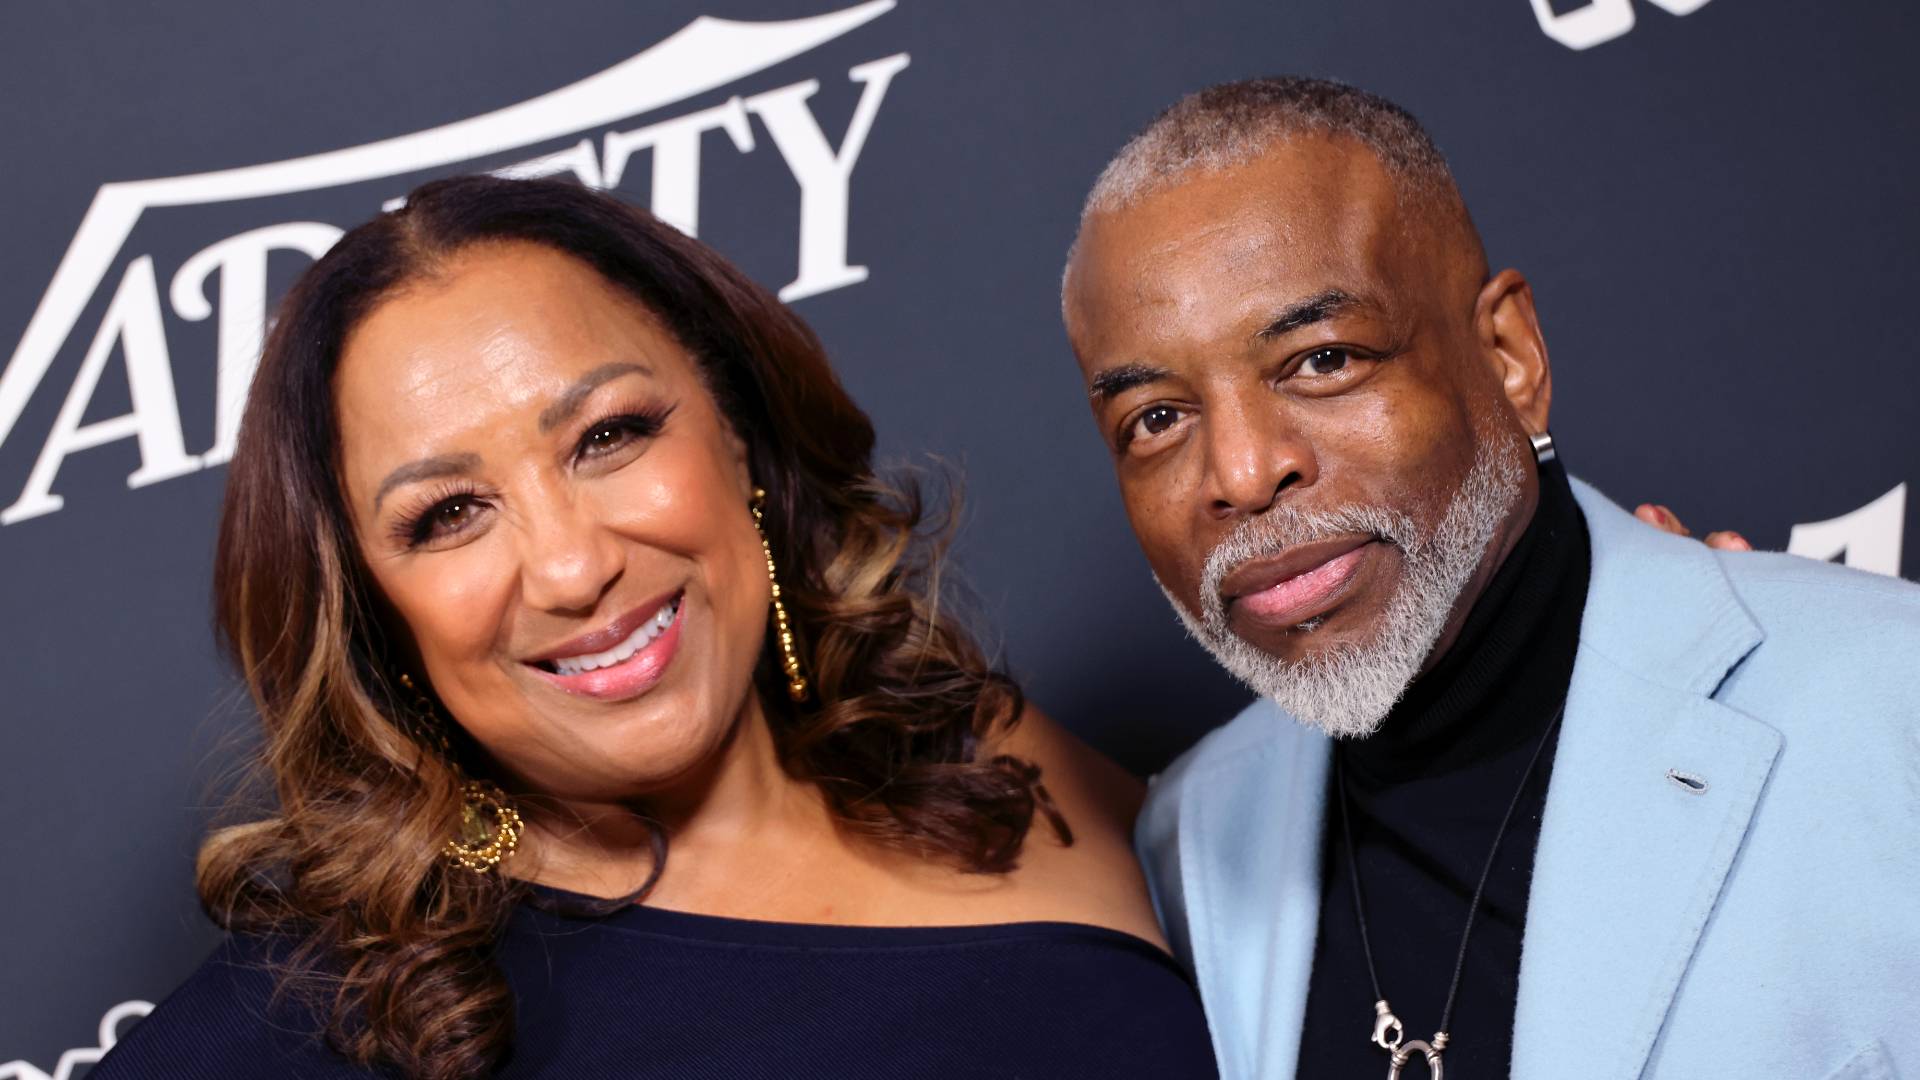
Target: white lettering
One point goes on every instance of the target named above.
(242, 263)
(822, 172)
(1584, 27)
(133, 321)
(109, 1035)
(577, 160)
(707, 53)
(1867, 538)
(676, 158)
(1599, 21)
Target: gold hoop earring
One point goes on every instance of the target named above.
(789, 656)
(478, 847)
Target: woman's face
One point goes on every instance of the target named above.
(550, 500)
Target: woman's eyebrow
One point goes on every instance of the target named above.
(574, 396)
(425, 469)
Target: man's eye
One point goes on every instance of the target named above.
(1152, 421)
(1155, 420)
(1325, 361)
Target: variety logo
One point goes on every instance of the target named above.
(1598, 21)
(705, 55)
(109, 1035)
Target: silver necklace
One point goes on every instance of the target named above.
(1401, 1049)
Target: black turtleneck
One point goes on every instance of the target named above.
(1427, 793)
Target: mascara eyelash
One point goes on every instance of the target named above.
(412, 529)
(642, 421)
(409, 530)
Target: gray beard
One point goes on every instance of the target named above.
(1347, 689)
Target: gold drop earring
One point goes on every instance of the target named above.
(789, 657)
(478, 846)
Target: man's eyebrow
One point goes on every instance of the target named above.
(574, 396)
(425, 469)
(1115, 381)
(1316, 308)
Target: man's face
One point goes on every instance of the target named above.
(1315, 413)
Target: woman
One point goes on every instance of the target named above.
(614, 724)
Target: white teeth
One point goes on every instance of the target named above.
(639, 639)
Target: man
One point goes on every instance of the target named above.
(1531, 789)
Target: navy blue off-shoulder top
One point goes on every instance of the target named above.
(650, 993)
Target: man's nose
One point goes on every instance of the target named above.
(1254, 452)
(570, 558)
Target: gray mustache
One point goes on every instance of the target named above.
(1276, 531)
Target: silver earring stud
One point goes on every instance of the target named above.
(1542, 447)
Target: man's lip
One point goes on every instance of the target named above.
(1259, 575)
(1291, 602)
(607, 636)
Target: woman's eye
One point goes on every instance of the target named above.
(618, 432)
(444, 519)
(603, 439)
(454, 514)
(1325, 361)
(1156, 420)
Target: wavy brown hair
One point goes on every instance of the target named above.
(344, 872)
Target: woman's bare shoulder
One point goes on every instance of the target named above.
(1096, 878)
(1084, 782)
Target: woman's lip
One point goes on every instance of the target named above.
(1293, 600)
(629, 678)
(607, 636)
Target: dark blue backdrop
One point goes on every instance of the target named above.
(1711, 200)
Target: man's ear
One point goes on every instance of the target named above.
(1509, 335)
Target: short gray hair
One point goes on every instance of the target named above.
(1233, 123)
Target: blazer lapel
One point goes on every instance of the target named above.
(1631, 861)
(1250, 829)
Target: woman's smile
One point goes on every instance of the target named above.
(602, 561)
(644, 642)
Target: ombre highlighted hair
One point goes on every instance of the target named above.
(390, 943)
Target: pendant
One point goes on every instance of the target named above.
(1385, 1023)
(1405, 1054)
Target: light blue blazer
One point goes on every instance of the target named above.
(1768, 925)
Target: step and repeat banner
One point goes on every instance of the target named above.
(1712, 200)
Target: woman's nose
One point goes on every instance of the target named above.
(571, 558)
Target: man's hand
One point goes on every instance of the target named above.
(1662, 518)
